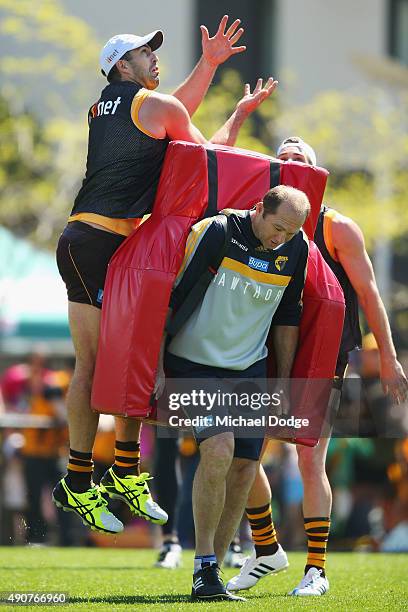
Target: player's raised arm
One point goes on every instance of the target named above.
(228, 133)
(216, 50)
(171, 118)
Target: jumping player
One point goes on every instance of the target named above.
(130, 127)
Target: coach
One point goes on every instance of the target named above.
(225, 337)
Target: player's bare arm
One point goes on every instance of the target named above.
(228, 133)
(348, 240)
(164, 115)
(216, 50)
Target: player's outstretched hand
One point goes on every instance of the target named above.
(251, 101)
(220, 47)
(394, 381)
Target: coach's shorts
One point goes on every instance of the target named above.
(83, 254)
(245, 447)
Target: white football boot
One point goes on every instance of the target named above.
(169, 556)
(312, 583)
(256, 568)
(234, 557)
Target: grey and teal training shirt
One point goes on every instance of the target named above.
(254, 288)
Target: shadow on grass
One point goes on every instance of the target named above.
(157, 599)
(132, 599)
(77, 568)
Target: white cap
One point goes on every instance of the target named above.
(294, 142)
(118, 45)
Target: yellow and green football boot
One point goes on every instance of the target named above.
(90, 506)
(134, 491)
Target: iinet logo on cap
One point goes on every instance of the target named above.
(112, 56)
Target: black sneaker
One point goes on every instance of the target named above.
(207, 584)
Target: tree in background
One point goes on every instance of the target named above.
(50, 48)
(364, 144)
(42, 158)
(39, 172)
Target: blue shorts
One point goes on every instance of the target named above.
(246, 447)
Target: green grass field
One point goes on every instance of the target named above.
(110, 579)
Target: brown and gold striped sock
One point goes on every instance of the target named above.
(317, 530)
(263, 530)
(127, 458)
(80, 469)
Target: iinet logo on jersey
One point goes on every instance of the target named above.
(105, 108)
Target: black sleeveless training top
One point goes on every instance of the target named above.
(351, 337)
(124, 163)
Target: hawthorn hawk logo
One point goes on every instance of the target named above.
(280, 262)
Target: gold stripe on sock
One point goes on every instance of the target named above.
(258, 516)
(265, 540)
(318, 555)
(314, 544)
(122, 453)
(259, 532)
(79, 468)
(313, 524)
(125, 465)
